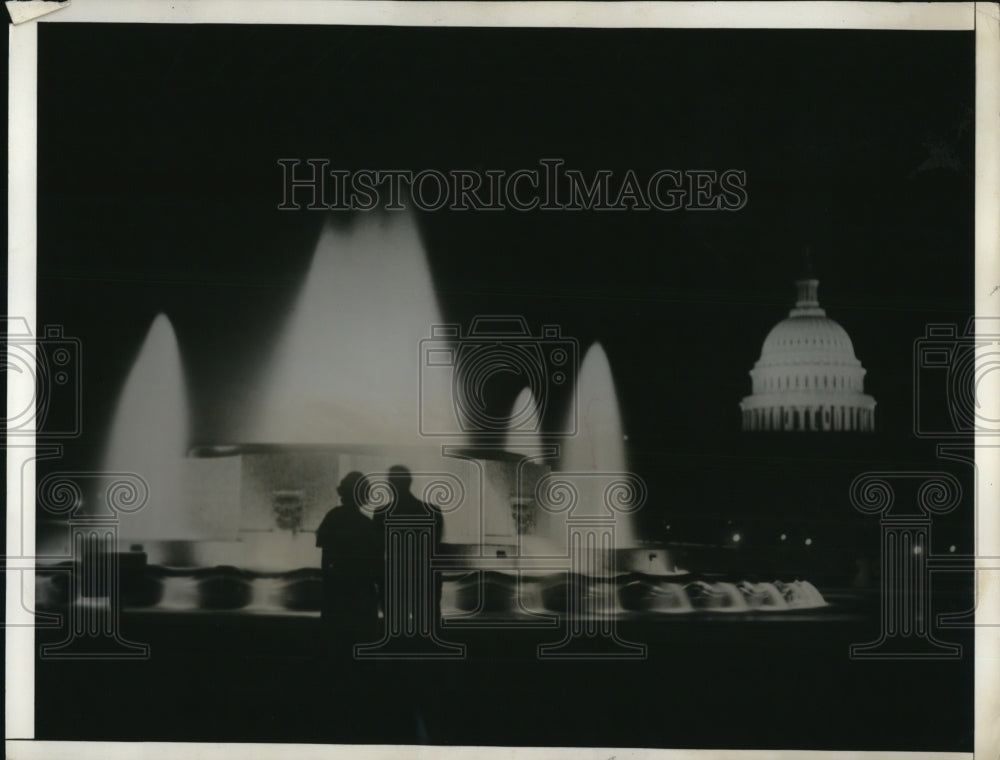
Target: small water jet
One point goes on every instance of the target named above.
(523, 435)
(267, 594)
(179, 593)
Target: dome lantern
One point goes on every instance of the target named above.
(808, 301)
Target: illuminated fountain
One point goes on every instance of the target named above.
(139, 492)
(231, 526)
(634, 577)
(342, 392)
(588, 462)
(149, 437)
(594, 464)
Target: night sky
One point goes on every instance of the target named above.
(158, 187)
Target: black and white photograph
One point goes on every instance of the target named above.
(424, 374)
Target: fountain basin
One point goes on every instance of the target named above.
(493, 594)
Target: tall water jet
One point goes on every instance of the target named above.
(348, 367)
(596, 454)
(149, 437)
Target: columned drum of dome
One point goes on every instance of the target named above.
(807, 377)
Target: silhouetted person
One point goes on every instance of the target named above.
(404, 504)
(352, 562)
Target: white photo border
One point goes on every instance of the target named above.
(983, 18)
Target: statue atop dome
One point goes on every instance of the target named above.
(807, 377)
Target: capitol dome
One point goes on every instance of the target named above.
(807, 377)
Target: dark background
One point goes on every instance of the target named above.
(158, 187)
